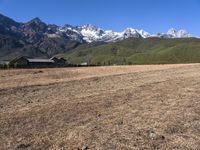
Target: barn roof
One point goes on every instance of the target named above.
(40, 60)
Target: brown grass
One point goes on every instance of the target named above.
(120, 107)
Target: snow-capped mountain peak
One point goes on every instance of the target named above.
(90, 27)
(172, 31)
(131, 32)
(91, 33)
(183, 33)
(144, 34)
(178, 34)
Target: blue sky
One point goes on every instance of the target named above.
(150, 15)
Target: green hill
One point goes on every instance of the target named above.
(138, 51)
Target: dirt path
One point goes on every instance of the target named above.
(141, 107)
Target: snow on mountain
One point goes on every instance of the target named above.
(130, 32)
(183, 34)
(90, 33)
(72, 32)
(111, 36)
(172, 33)
(144, 34)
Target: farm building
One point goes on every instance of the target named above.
(23, 62)
(58, 60)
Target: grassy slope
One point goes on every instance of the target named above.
(138, 51)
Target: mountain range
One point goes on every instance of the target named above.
(89, 33)
(38, 39)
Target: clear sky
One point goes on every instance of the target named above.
(150, 15)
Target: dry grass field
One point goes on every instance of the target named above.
(101, 108)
